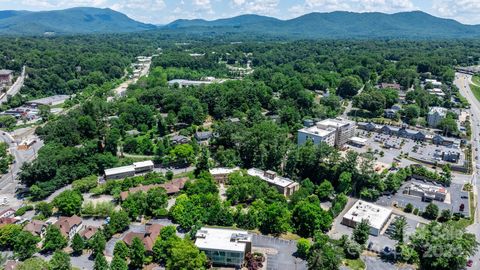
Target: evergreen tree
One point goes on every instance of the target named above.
(121, 250)
(137, 253)
(118, 263)
(78, 244)
(100, 262)
(54, 239)
(60, 261)
(361, 231)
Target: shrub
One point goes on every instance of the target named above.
(22, 210)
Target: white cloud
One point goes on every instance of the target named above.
(465, 11)
(388, 6)
(266, 7)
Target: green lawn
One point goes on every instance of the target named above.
(357, 264)
(476, 91)
(476, 80)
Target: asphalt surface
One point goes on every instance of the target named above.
(284, 258)
(463, 81)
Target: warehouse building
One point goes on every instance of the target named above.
(143, 166)
(119, 172)
(376, 216)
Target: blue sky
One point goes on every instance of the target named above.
(165, 11)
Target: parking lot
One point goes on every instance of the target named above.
(375, 144)
(284, 258)
(457, 198)
(389, 148)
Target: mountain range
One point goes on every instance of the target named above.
(339, 24)
(68, 21)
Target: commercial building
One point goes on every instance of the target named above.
(334, 132)
(357, 141)
(49, 101)
(376, 216)
(344, 129)
(221, 174)
(451, 156)
(317, 135)
(435, 115)
(434, 82)
(119, 172)
(186, 83)
(143, 166)
(224, 247)
(428, 193)
(284, 185)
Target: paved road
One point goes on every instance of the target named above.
(9, 181)
(15, 88)
(462, 81)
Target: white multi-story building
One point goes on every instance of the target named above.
(334, 132)
(376, 216)
(435, 115)
(317, 135)
(223, 246)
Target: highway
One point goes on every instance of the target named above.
(463, 81)
(15, 88)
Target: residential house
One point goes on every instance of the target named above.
(179, 139)
(10, 212)
(148, 237)
(395, 86)
(284, 185)
(203, 136)
(172, 187)
(221, 174)
(6, 76)
(36, 227)
(88, 232)
(69, 226)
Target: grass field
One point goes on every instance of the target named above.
(476, 91)
(357, 264)
(476, 80)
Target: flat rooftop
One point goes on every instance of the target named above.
(277, 180)
(48, 100)
(314, 130)
(222, 239)
(214, 171)
(119, 170)
(335, 122)
(376, 215)
(140, 164)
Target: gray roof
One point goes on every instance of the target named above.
(5, 72)
(203, 135)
